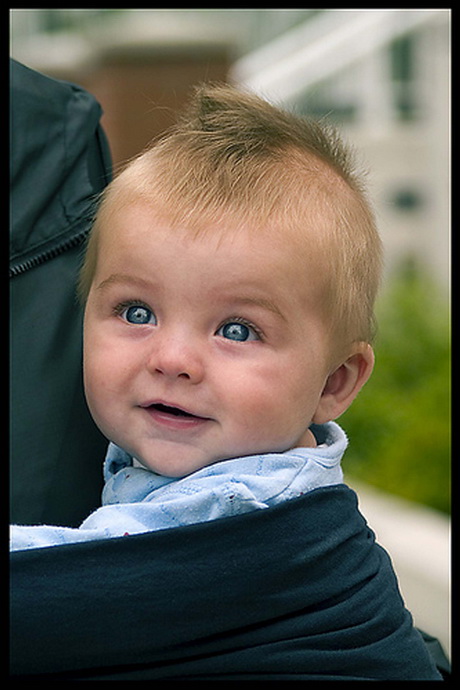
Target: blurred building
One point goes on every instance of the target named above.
(382, 75)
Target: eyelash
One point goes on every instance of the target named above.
(244, 322)
(122, 306)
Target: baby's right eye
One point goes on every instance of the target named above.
(137, 314)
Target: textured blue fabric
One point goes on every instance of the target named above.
(136, 500)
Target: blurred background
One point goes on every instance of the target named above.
(383, 76)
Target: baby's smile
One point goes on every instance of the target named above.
(173, 417)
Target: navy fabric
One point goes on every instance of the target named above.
(299, 591)
(59, 164)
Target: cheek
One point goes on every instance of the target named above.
(269, 398)
(91, 360)
(104, 390)
(102, 368)
(107, 370)
(282, 396)
(95, 383)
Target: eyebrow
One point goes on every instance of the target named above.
(261, 302)
(124, 278)
(116, 278)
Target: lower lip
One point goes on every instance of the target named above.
(175, 422)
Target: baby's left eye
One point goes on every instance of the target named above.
(240, 332)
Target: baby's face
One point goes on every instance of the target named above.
(201, 349)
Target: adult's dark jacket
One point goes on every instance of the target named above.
(296, 592)
(59, 164)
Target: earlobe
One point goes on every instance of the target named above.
(344, 384)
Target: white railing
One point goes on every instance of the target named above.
(418, 541)
(321, 47)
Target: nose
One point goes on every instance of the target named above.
(176, 356)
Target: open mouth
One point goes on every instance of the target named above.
(172, 415)
(174, 411)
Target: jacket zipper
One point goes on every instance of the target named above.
(43, 257)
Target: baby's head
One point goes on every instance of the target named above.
(229, 284)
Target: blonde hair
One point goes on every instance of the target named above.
(233, 154)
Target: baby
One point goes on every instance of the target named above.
(228, 284)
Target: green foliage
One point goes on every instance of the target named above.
(399, 426)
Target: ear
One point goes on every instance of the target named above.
(344, 383)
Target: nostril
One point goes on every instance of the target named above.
(165, 370)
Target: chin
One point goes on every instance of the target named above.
(170, 466)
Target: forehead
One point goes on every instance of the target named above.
(141, 238)
(303, 229)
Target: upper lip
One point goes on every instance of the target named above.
(170, 406)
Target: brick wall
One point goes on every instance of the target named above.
(141, 90)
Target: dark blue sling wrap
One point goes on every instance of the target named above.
(300, 591)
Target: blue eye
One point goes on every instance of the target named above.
(239, 332)
(139, 315)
